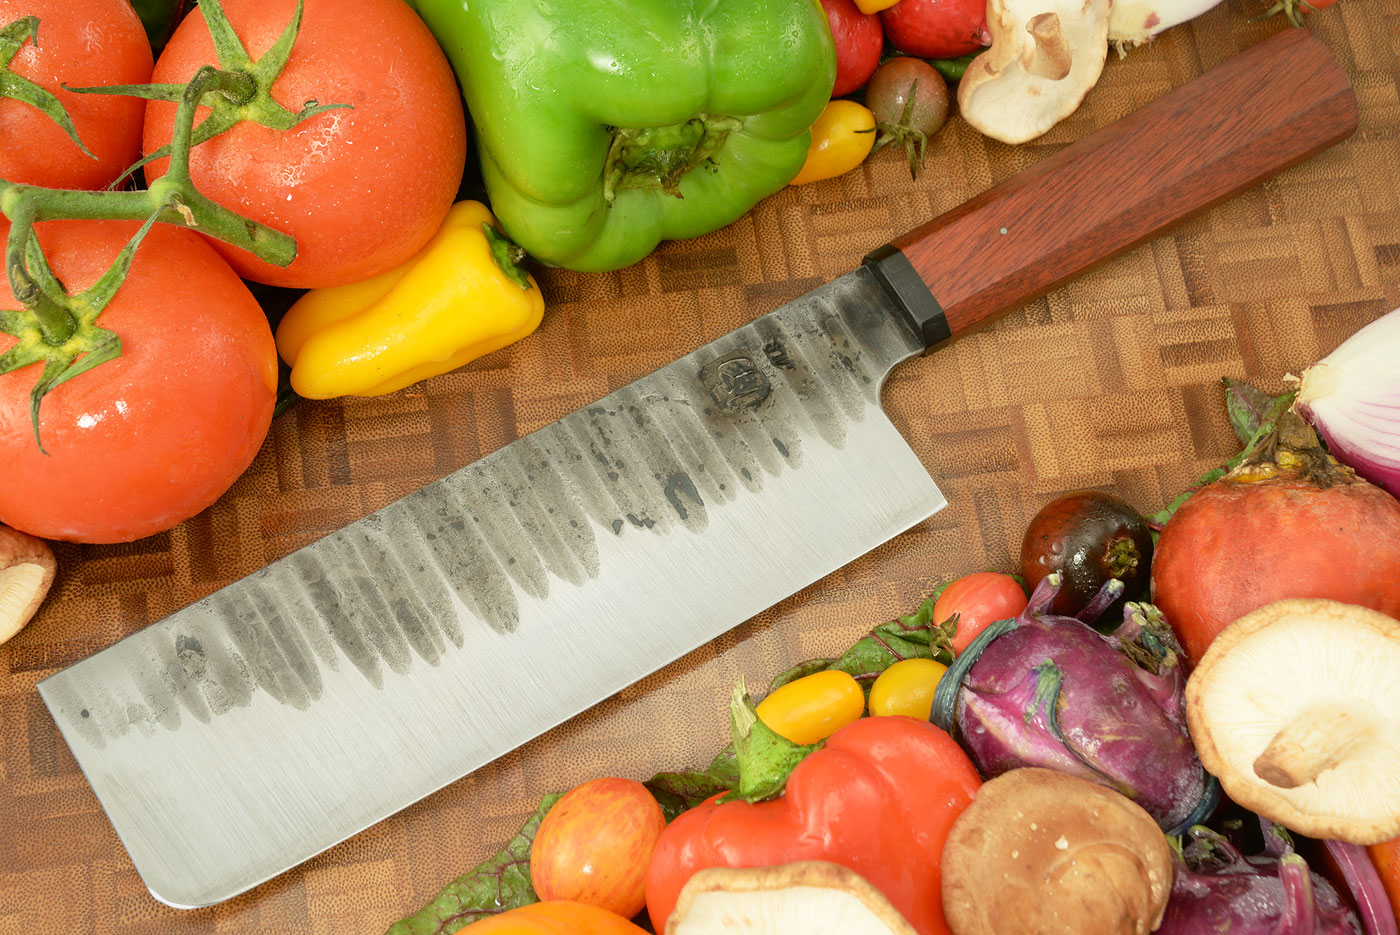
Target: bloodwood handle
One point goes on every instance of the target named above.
(1239, 123)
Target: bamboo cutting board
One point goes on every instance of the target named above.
(1111, 382)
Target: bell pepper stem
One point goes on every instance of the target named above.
(766, 758)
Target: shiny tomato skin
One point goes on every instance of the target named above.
(906, 688)
(813, 707)
(859, 41)
(978, 599)
(937, 28)
(140, 443)
(361, 189)
(81, 44)
(594, 846)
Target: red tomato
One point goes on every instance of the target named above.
(594, 846)
(144, 441)
(978, 599)
(937, 28)
(85, 44)
(859, 40)
(360, 189)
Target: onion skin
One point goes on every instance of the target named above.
(1239, 544)
(1384, 473)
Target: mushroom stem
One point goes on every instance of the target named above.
(1051, 58)
(1323, 736)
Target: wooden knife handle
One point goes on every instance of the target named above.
(1267, 108)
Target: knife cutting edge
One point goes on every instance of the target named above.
(295, 707)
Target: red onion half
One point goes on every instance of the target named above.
(1352, 398)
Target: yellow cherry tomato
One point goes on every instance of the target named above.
(841, 139)
(874, 6)
(814, 707)
(907, 688)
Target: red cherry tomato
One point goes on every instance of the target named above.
(859, 40)
(80, 44)
(978, 599)
(937, 28)
(139, 443)
(361, 189)
(594, 846)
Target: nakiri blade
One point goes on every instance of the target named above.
(288, 711)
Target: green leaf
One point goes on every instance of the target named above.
(1267, 424)
(912, 636)
(499, 883)
(1268, 421)
(1247, 407)
(680, 791)
(800, 671)
(765, 757)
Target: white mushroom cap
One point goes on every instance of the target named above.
(1296, 710)
(804, 898)
(1045, 56)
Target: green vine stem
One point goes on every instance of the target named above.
(60, 330)
(12, 38)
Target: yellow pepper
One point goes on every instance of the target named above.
(462, 296)
(841, 139)
(874, 6)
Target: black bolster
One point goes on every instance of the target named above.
(899, 278)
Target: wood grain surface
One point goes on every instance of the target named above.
(1111, 381)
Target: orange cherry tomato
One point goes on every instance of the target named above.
(978, 599)
(594, 846)
(813, 707)
(559, 917)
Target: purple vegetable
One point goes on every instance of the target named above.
(1219, 890)
(1052, 692)
(1367, 890)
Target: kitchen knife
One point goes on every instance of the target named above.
(291, 709)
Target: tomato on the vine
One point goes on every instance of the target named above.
(96, 42)
(361, 188)
(978, 599)
(142, 442)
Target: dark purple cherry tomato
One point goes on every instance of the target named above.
(1089, 537)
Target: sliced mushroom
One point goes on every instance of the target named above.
(804, 898)
(1296, 710)
(1045, 56)
(1040, 851)
(27, 568)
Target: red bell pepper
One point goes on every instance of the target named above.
(879, 797)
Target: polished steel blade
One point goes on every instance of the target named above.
(288, 711)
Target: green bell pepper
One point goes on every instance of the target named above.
(606, 127)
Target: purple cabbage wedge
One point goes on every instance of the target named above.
(1053, 692)
(1219, 890)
